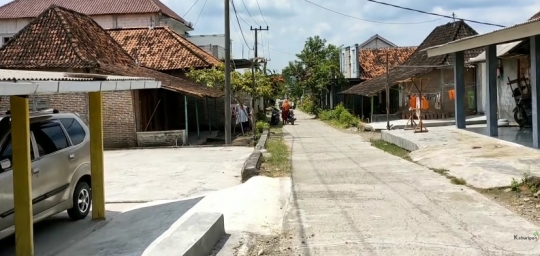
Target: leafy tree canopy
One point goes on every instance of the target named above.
(316, 67)
(265, 86)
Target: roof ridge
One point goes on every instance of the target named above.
(176, 36)
(134, 28)
(69, 36)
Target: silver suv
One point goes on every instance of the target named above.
(60, 153)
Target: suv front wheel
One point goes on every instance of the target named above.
(82, 200)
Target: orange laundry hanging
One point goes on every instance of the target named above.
(451, 94)
(412, 102)
(425, 103)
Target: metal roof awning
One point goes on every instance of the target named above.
(22, 82)
(505, 35)
(502, 50)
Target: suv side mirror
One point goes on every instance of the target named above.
(5, 164)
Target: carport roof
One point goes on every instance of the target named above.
(60, 38)
(23, 82)
(506, 35)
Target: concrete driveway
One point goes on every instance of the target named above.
(145, 175)
(143, 188)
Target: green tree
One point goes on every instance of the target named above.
(317, 66)
(240, 83)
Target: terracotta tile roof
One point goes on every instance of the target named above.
(373, 61)
(161, 48)
(32, 8)
(62, 38)
(440, 35)
(534, 17)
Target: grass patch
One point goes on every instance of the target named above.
(454, 180)
(528, 183)
(276, 162)
(403, 153)
(391, 149)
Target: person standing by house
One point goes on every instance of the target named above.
(285, 111)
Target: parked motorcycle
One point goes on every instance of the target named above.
(522, 97)
(274, 119)
(290, 117)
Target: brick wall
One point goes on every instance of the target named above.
(118, 116)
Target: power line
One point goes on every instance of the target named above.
(202, 9)
(435, 14)
(265, 23)
(372, 21)
(245, 6)
(240, 16)
(278, 50)
(268, 34)
(190, 8)
(238, 21)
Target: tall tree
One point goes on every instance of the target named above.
(317, 66)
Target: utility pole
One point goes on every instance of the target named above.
(256, 38)
(228, 116)
(256, 55)
(387, 94)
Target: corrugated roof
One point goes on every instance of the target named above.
(32, 8)
(27, 75)
(440, 35)
(161, 48)
(63, 38)
(502, 49)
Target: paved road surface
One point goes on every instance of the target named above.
(352, 199)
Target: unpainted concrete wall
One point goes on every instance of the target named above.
(160, 138)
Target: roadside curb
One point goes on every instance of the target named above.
(197, 235)
(253, 162)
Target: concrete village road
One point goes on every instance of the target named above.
(350, 198)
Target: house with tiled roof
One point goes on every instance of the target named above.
(107, 13)
(161, 48)
(365, 61)
(436, 69)
(60, 39)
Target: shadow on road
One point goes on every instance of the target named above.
(124, 233)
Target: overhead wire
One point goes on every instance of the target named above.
(239, 26)
(191, 8)
(280, 51)
(435, 14)
(202, 9)
(238, 37)
(249, 13)
(258, 5)
(372, 21)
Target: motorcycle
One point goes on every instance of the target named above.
(290, 117)
(274, 119)
(523, 109)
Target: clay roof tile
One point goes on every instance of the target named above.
(161, 48)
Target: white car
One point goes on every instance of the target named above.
(60, 155)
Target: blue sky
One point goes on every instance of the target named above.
(292, 21)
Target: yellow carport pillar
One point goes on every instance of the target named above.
(22, 178)
(96, 155)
